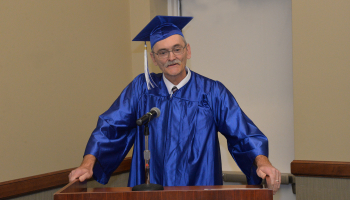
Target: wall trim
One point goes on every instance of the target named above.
(331, 169)
(173, 8)
(19, 187)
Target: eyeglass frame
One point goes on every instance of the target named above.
(182, 48)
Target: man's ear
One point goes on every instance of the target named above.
(188, 51)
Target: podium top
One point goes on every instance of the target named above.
(77, 190)
(183, 188)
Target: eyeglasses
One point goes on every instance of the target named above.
(177, 51)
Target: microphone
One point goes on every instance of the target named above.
(154, 113)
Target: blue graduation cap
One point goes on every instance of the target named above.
(160, 28)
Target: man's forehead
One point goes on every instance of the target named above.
(169, 42)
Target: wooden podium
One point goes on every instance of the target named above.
(76, 191)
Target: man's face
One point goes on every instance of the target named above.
(173, 66)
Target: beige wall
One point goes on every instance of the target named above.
(62, 63)
(321, 76)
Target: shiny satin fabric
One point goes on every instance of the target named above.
(183, 141)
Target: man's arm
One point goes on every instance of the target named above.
(266, 170)
(84, 171)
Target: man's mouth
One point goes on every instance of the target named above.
(173, 63)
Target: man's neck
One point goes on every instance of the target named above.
(174, 80)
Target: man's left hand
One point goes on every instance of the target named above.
(266, 170)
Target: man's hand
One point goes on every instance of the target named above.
(266, 170)
(84, 171)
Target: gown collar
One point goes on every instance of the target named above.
(190, 91)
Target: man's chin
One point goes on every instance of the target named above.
(174, 70)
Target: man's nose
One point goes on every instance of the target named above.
(171, 56)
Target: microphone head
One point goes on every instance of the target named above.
(155, 109)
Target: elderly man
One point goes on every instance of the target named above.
(184, 139)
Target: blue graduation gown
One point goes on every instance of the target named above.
(183, 141)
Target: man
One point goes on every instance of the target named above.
(183, 141)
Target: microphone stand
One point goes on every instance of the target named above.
(147, 186)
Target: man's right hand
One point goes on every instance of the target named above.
(84, 171)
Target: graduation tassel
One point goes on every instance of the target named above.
(149, 80)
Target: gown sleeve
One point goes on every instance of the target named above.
(244, 140)
(114, 134)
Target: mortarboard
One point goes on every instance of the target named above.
(160, 28)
